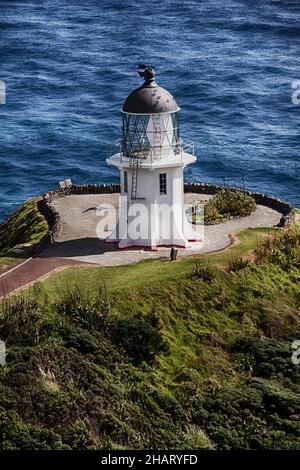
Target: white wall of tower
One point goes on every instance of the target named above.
(161, 217)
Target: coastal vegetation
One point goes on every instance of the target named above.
(228, 203)
(158, 355)
(20, 232)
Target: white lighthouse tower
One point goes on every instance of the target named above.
(151, 161)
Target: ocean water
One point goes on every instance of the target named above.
(68, 65)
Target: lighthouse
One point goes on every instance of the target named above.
(151, 161)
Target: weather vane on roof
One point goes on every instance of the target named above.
(146, 71)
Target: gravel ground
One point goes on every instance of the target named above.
(81, 215)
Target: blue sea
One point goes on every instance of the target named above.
(68, 65)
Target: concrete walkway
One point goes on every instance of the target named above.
(81, 215)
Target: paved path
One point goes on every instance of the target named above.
(30, 271)
(80, 217)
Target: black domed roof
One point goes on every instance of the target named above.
(150, 98)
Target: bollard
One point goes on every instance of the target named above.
(173, 254)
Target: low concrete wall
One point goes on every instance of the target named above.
(54, 221)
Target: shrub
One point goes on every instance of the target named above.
(79, 339)
(21, 319)
(16, 435)
(228, 203)
(266, 358)
(203, 271)
(195, 438)
(257, 416)
(85, 310)
(86, 383)
(139, 339)
(236, 264)
(282, 249)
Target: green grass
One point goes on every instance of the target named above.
(25, 226)
(296, 224)
(7, 262)
(145, 274)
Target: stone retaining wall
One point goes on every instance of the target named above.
(54, 221)
(287, 211)
(82, 189)
(52, 216)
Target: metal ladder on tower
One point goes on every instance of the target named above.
(135, 169)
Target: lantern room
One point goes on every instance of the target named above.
(150, 121)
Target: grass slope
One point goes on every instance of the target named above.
(153, 273)
(179, 355)
(25, 226)
(296, 224)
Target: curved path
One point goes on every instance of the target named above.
(82, 240)
(79, 240)
(31, 270)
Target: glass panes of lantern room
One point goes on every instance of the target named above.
(152, 135)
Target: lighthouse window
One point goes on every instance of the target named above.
(125, 182)
(163, 183)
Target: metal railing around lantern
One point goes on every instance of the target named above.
(154, 153)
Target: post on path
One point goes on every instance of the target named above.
(173, 254)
